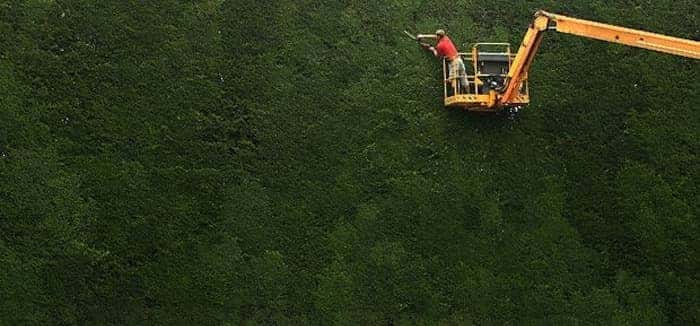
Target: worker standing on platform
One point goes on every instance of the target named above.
(447, 49)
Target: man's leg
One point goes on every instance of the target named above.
(454, 65)
(450, 76)
(462, 73)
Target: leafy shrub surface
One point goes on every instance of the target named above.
(290, 162)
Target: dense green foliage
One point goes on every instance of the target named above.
(290, 162)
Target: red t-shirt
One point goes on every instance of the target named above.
(446, 48)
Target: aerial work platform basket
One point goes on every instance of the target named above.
(487, 68)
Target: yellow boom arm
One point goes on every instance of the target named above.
(545, 21)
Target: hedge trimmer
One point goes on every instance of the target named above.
(417, 39)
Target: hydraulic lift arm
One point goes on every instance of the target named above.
(547, 21)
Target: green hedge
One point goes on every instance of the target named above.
(290, 162)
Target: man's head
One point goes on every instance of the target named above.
(440, 33)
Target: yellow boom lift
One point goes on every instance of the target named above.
(500, 78)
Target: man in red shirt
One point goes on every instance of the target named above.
(445, 48)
